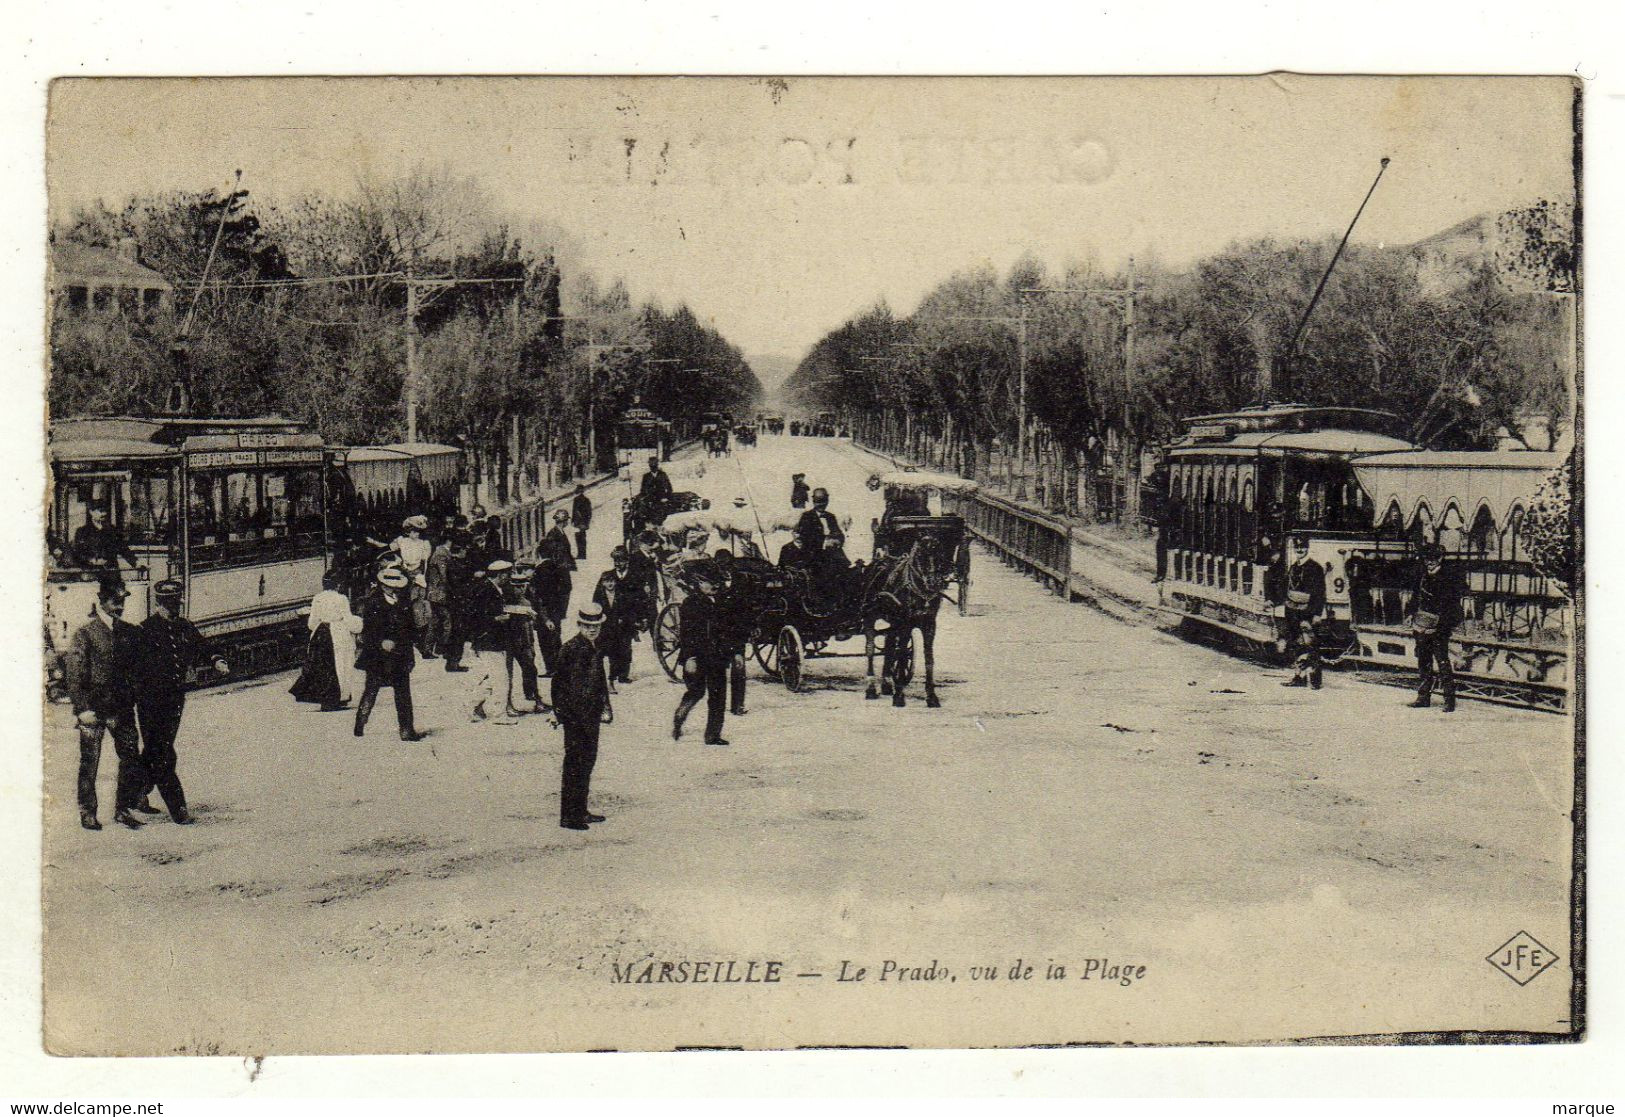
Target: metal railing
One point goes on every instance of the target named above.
(1022, 537)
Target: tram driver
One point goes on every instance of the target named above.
(98, 545)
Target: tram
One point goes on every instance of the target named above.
(237, 508)
(1238, 484)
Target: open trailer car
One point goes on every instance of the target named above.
(1513, 644)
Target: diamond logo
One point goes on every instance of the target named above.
(1522, 958)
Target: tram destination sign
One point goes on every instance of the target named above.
(216, 458)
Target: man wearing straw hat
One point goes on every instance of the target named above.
(386, 652)
(581, 705)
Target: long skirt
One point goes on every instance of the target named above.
(320, 681)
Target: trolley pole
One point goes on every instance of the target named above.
(411, 360)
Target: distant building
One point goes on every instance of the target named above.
(86, 279)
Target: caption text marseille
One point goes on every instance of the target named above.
(650, 971)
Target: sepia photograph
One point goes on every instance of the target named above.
(567, 564)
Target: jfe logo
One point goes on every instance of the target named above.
(1522, 958)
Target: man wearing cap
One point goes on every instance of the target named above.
(101, 663)
(581, 519)
(170, 647)
(1305, 600)
(644, 570)
(99, 545)
(702, 652)
(520, 620)
(386, 652)
(1435, 613)
(580, 702)
(617, 594)
(798, 490)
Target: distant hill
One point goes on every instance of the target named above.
(772, 369)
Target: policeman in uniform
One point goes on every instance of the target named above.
(1305, 594)
(386, 651)
(703, 653)
(170, 647)
(101, 664)
(1435, 612)
(581, 706)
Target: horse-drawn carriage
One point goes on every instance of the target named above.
(652, 510)
(804, 611)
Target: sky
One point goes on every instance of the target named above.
(778, 209)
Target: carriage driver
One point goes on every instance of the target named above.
(899, 502)
(1305, 602)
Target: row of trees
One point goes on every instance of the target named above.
(523, 358)
(1107, 359)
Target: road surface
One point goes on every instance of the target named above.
(1091, 795)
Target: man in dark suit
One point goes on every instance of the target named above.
(581, 519)
(580, 700)
(821, 533)
(1435, 613)
(702, 650)
(170, 647)
(519, 618)
(101, 664)
(386, 652)
(618, 594)
(798, 490)
(656, 486)
(1305, 592)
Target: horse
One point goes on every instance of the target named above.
(905, 593)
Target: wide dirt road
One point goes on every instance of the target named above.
(1281, 863)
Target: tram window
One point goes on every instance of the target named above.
(293, 501)
(76, 497)
(245, 516)
(150, 509)
(203, 509)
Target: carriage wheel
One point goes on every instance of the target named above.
(767, 654)
(666, 641)
(790, 654)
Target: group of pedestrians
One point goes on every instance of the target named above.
(129, 682)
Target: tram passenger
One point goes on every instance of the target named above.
(386, 652)
(97, 545)
(702, 653)
(1305, 592)
(1435, 613)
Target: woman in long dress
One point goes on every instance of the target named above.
(330, 654)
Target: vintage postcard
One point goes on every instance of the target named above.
(573, 564)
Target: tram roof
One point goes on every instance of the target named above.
(103, 438)
(1499, 480)
(397, 450)
(1331, 441)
